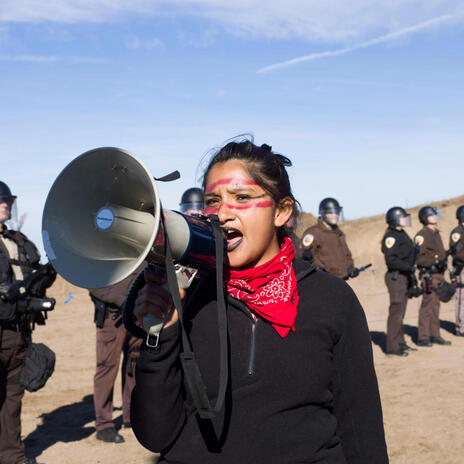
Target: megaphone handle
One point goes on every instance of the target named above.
(153, 325)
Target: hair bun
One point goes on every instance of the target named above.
(283, 160)
(266, 147)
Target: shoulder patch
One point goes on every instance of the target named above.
(307, 240)
(456, 237)
(419, 240)
(390, 241)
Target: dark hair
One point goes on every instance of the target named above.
(266, 168)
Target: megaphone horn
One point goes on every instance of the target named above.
(103, 217)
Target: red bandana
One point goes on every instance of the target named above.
(270, 289)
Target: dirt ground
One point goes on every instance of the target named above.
(422, 395)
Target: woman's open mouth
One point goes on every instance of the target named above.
(234, 238)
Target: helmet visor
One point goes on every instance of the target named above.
(404, 221)
(9, 213)
(332, 215)
(437, 213)
(194, 207)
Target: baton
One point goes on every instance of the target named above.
(360, 269)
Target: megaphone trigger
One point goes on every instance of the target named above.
(185, 275)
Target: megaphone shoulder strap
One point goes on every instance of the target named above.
(192, 374)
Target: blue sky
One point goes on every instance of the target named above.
(371, 112)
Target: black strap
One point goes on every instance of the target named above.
(192, 374)
(302, 274)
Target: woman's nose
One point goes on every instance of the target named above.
(225, 213)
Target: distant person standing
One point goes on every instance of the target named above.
(112, 341)
(326, 243)
(431, 261)
(192, 201)
(19, 259)
(399, 251)
(457, 252)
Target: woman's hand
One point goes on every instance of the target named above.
(155, 299)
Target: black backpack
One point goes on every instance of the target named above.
(38, 367)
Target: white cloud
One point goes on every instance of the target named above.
(431, 23)
(51, 59)
(29, 58)
(312, 20)
(135, 43)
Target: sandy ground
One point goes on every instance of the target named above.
(422, 395)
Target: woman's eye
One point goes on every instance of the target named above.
(243, 197)
(211, 202)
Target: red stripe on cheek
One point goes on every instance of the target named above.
(238, 207)
(265, 204)
(211, 211)
(230, 180)
(261, 204)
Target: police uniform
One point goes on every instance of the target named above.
(18, 258)
(329, 249)
(457, 252)
(399, 251)
(112, 339)
(430, 260)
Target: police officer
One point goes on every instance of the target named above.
(112, 340)
(431, 261)
(192, 201)
(18, 259)
(399, 251)
(457, 252)
(326, 244)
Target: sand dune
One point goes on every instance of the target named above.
(421, 394)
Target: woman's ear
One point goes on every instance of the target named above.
(283, 211)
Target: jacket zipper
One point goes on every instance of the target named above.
(251, 361)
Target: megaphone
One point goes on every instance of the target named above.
(103, 217)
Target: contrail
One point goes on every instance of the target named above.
(384, 38)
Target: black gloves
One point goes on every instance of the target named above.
(353, 272)
(415, 291)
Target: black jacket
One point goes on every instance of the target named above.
(399, 251)
(457, 245)
(310, 397)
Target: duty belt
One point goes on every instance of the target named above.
(432, 270)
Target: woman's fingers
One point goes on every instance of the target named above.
(154, 299)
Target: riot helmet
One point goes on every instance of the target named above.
(328, 208)
(394, 216)
(192, 201)
(460, 214)
(426, 212)
(6, 197)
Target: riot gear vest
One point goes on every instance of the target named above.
(27, 260)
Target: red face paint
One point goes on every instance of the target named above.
(231, 181)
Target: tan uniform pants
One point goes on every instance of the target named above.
(12, 354)
(398, 290)
(112, 340)
(429, 312)
(460, 305)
